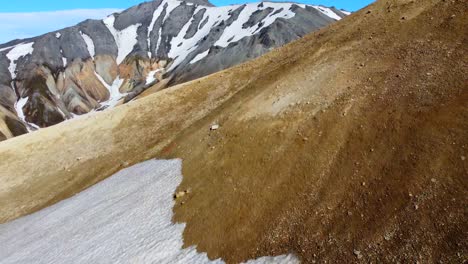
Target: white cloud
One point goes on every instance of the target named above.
(24, 25)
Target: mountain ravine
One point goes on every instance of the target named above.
(101, 63)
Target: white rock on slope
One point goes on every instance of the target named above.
(123, 219)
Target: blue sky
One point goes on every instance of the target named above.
(28, 18)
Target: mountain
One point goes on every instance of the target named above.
(349, 145)
(97, 64)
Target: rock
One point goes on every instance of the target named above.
(181, 194)
(214, 127)
(463, 158)
(358, 254)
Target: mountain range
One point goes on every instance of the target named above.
(101, 63)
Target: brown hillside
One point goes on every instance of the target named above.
(349, 145)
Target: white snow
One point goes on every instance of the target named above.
(58, 35)
(123, 219)
(328, 12)
(19, 105)
(89, 44)
(157, 13)
(9, 47)
(150, 78)
(171, 5)
(181, 47)
(124, 39)
(345, 12)
(235, 32)
(114, 90)
(64, 60)
(214, 14)
(17, 52)
(199, 57)
(283, 259)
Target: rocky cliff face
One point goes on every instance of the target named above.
(101, 63)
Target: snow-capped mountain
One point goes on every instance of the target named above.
(101, 63)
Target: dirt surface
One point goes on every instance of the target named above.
(349, 145)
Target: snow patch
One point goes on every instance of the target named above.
(89, 44)
(345, 12)
(179, 52)
(150, 78)
(157, 13)
(64, 60)
(125, 39)
(123, 219)
(181, 48)
(6, 48)
(328, 12)
(17, 52)
(235, 32)
(58, 35)
(19, 105)
(114, 91)
(171, 5)
(199, 57)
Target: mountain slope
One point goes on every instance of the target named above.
(72, 231)
(93, 65)
(348, 145)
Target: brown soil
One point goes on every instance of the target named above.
(349, 145)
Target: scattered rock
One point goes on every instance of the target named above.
(463, 158)
(358, 254)
(181, 194)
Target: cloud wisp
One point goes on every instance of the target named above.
(25, 25)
